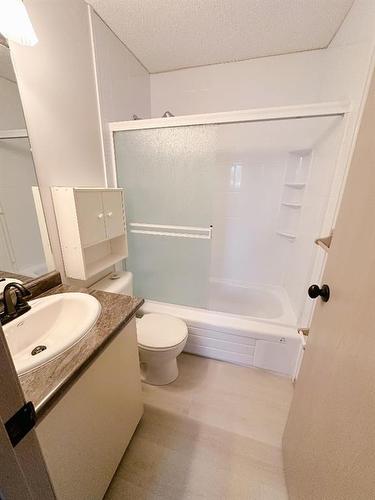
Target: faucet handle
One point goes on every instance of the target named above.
(25, 292)
(21, 296)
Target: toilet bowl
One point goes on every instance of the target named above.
(161, 337)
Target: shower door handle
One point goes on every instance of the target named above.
(324, 292)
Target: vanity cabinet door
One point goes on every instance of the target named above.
(91, 220)
(86, 433)
(113, 213)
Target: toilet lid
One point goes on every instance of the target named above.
(160, 331)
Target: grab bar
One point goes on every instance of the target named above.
(203, 233)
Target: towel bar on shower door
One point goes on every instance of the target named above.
(203, 233)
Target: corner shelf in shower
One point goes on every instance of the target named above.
(296, 177)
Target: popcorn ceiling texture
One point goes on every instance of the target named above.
(169, 34)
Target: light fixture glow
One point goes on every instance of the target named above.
(15, 23)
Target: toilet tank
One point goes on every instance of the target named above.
(116, 283)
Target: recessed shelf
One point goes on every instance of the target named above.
(289, 236)
(296, 185)
(291, 204)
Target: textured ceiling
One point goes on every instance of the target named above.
(171, 34)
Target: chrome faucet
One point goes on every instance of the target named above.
(14, 309)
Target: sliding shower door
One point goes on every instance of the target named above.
(262, 186)
(166, 174)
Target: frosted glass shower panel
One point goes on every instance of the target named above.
(262, 186)
(167, 174)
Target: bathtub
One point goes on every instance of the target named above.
(267, 339)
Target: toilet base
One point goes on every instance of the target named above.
(156, 374)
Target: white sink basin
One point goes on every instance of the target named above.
(56, 322)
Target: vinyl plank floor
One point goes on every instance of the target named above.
(215, 433)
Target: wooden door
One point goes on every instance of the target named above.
(114, 213)
(90, 215)
(329, 440)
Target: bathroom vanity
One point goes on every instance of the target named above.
(88, 400)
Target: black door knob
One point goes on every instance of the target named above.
(323, 293)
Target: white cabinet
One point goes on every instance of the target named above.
(85, 434)
(90, 217)
(92, 229)
(114, 219)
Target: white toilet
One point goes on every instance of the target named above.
(161, 338)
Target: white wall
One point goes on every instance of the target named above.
(123, 83)
(62, 86)
(340, 72)
(348, 65)
(298, 265)
(263, 82)
(314, 76)
(57, 87)
(67, 108)
(335, 73)
(17, 175)
(11, 115)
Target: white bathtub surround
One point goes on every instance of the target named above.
(256, 184)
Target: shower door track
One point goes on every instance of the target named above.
(276, 113)
(333, 108)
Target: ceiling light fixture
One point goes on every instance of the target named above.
(15, 24)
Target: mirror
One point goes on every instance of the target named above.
(25, 251)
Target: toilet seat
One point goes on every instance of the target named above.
(160, 331)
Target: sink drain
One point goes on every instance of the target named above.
(38, 349)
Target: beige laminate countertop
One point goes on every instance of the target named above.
(45, 384)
